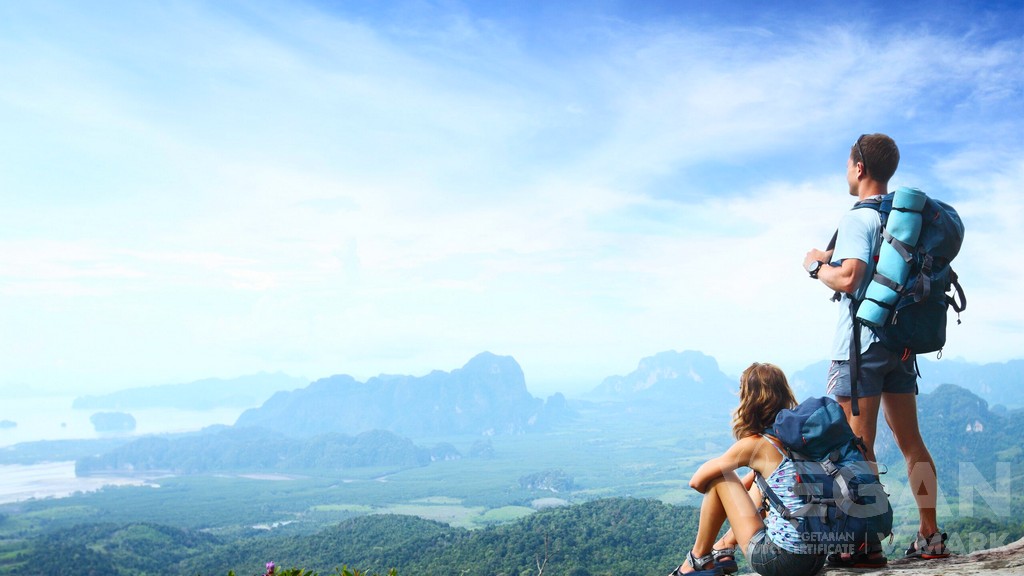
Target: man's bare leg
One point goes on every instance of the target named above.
(901, 416)
(866, 424)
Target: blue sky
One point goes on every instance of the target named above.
(211, 189)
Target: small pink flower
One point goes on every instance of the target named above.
(270, 569)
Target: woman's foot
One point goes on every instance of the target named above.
(725, 558)
(694, 566)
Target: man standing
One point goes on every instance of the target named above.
(884, 378)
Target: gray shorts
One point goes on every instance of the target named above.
(767, 559)
(880, 371)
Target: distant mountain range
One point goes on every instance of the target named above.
(486, 396)
(996, 383)
(671, 377)
(489, 396)
(207, 394)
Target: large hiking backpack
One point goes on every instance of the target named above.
(915, 321)
(845, 504)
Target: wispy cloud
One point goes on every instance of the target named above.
(287, 187)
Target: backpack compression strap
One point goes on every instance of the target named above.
(954, 281)
(841, 479)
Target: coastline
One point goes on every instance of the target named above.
(19, 483)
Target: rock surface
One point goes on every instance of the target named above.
(1003, 561)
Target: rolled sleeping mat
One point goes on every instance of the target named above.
(900, 235)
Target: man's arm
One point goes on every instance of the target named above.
(844, 278)
(854, 245)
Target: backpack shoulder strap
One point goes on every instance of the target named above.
(874, 203)
(854, 360)
(769, 437)
(766, 491)
(772, 497)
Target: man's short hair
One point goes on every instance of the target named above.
(881, 155)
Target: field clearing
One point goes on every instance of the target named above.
(357, 508)
(457, 516)
(505, 514)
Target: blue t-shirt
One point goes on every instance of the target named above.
(860, 238)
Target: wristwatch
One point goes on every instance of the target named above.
(813, 268)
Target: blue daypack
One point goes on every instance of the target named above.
(845, 504)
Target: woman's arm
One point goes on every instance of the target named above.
(740, 454)
(748, 480)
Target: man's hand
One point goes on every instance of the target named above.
(815, 255)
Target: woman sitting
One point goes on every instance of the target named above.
(772, 544)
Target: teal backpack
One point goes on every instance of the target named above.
(913, 321)
(844, 503)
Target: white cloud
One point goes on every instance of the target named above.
(277, 188)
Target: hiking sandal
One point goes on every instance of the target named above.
(864, 557)
(859, 559)
(699, 566)
(728, 566)
(929, 547)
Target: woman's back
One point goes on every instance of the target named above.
(782, 480)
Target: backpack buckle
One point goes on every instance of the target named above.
(830, 468)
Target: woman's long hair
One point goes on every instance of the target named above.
(764, 391)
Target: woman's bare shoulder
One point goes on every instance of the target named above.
(745, 449)
(766, 457)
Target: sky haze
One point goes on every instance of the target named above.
(211, 189)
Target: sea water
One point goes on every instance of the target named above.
(53, 480)
(53, 418)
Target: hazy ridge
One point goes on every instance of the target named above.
(206, 394)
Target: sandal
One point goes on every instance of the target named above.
(700, 566)
(929, 548)
(728, 566)
(862, 558)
